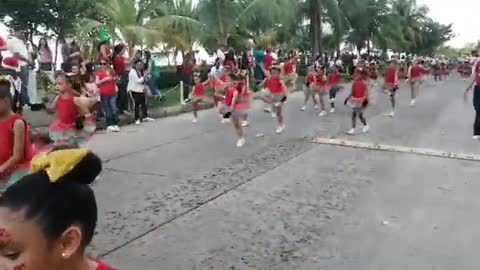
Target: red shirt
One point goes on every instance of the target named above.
(391, 76)
(274, 84)
(311, 78)
(268, 61)
(334, 78)
(320, 80)
(102, 266)
(66, 110)
(119, 65)
(359, 89)
(242, 97)
(7, 141)
(417, 71)
(229, 92)
(107, 88)
(289, 67)
(199, 90)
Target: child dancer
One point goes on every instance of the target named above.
(198, 96)
(55, 214)
(289, 72)
(320, 89)
(391, 84)
(74, 122)
(236, 104)
(358, 101)
(274, 94)
(310, 81)
(415, 75)
(219, 84)
(15, 145)
(335, 82)
(373, 70)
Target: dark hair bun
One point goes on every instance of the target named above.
(5, 88)
(86, 171)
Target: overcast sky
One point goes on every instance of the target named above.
(463, 14)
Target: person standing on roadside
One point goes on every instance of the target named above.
(476, 100)
(137, 88)
(72, 58)
(120, 63)
(105, 79)
(16, 45)
(45, 59)
(187, 75)
(154, 76)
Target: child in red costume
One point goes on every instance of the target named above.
(358, 100)
(15, 145)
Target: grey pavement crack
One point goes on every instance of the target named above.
(134, 173)
(200, 204)
(161, 145)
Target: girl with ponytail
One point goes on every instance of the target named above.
(48, 218)
(74, 122)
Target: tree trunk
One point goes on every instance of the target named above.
(337, 46)
(315, 29)
(131, 46)
(183, 57)
(319, 23)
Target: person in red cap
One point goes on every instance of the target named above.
(11, 68)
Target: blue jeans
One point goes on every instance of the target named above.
(25, 100)
(109, 105)
(154, 84)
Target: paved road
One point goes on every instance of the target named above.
(177, 195)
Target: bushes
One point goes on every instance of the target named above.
(169, 77)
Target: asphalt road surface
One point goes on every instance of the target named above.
(177, 195)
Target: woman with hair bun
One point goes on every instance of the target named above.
(48, 218)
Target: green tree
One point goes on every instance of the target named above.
(25, 14)
(140, 22)
(224, 20)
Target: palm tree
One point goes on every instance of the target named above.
(366, 18)
(137, 22)
(318, 12)
(224, 19)
(410, 18)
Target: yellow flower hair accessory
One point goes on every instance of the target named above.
(58, 163)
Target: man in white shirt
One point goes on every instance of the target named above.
(16, 45)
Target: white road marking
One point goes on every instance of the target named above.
(398, 149)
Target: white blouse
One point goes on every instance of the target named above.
(135, 83)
